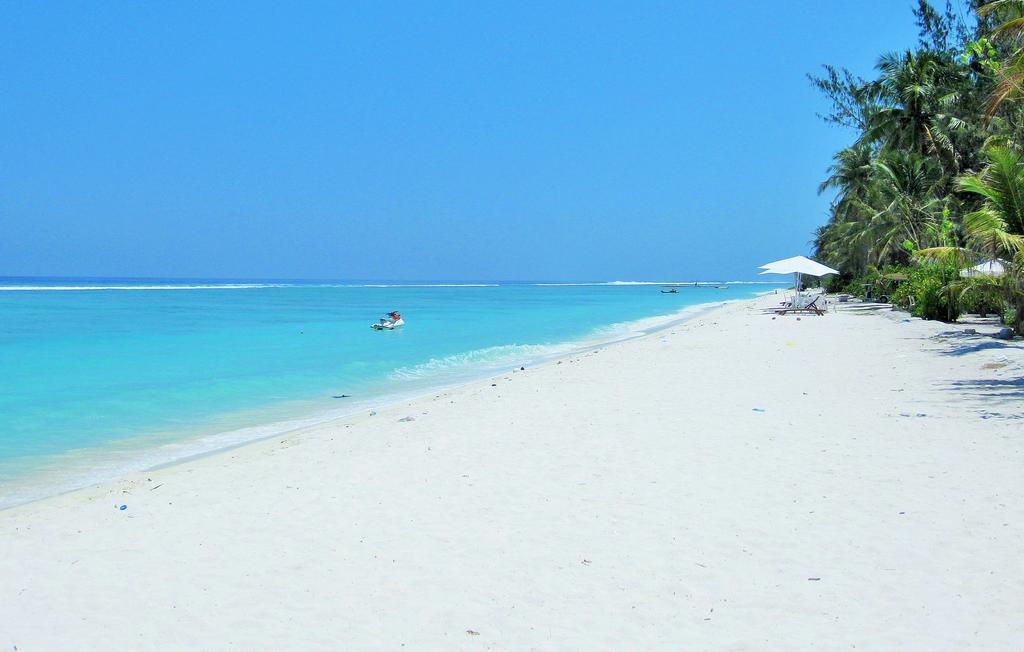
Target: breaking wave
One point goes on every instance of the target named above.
(485, 361)
(482, 360)
(86, 288)
(419, 285)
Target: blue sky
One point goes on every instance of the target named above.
(574, 141)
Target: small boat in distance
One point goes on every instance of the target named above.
(389, 322)
(670, 291)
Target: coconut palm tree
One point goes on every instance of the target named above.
(886, 206)
(1009, 31)
(996, 230)
(849, 175)
(1001, 186)
(914, 87)
(843, 245)
(903, 207)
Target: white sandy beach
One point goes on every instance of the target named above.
(630, 498)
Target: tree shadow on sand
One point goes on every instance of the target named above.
(961, 343)
(1004, 391)
(975, 345)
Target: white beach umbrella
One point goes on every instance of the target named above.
(797, 265)
(987, 268)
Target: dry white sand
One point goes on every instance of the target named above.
(630, 498)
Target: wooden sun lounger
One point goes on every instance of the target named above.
(810, 308)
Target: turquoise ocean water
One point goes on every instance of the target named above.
(101, 377)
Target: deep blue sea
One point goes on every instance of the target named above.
(99, 377)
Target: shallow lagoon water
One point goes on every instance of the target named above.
(102, 377)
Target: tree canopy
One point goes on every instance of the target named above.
(933, 177)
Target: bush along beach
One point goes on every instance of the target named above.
(929, 195)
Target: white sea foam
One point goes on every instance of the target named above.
(250, 286)
(756, 282)
(603, 283)
(419, 285)
(231, 286)
(84, 288)
(481, 362)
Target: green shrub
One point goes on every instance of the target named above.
(902, 296)
(974, 300)
(836, 283)
(859, 284)
(875, 283)
(930, 289)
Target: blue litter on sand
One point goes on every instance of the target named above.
(123, 507)
(758, 409)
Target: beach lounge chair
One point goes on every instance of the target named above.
(811, 307)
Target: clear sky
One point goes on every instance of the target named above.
(392, 140)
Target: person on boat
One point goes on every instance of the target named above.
(394, 316)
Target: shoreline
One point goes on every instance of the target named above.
(34, 487)
(732, 482)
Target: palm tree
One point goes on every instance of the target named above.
(996, 230)
(1001, 186)
(841, 244)
(903, 207)
(850, 175)
(886, 205)
(910, 86)
(927, 104)
(1010, 29)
